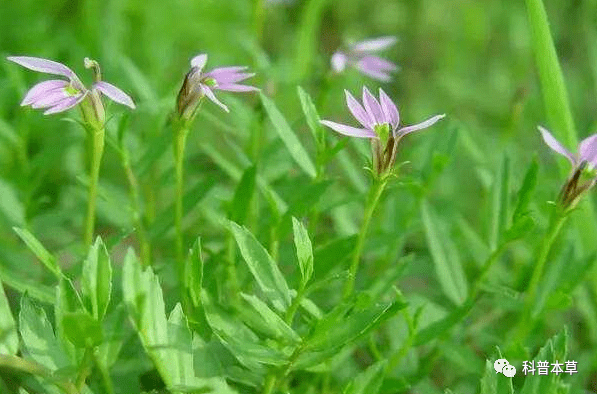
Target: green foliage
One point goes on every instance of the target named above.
(464, 259)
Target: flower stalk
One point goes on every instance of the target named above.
(375, 192)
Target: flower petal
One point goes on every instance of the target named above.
(372, 106)
(375, 44)
(588, 150)
(420, 126)
(43, 65)
(229, 77)
(357, 110)
(51, 98)
(199, 61)
(339, 60)
(349, 130)
(377, 75)
(389, 109)
(555, 145)
(233, 87)
(66, 104)
(42, 89)
(210, 95)
(230, 69)
(113, 93)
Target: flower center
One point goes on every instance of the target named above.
(210, 82)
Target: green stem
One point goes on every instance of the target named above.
(296, 302)
(180, 138)
(259, 14)
(105, 375)
(557, 221)
(134, 196)
(97, 151)
(372, 199)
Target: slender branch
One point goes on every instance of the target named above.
(34, 368)
(180, 138)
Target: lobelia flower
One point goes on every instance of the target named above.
(198, 84)
(380, 121)
(361, 56)
(584, 165)
(58, 95)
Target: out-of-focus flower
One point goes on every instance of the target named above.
(584, 167)
(198, 84)
(361, 56)
(59, 95)
(380, 121)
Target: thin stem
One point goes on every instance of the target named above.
(134, 197)
(372, 199)
(259, 14)
(557, 221)
(180, 138)
(97, 151)
(296, 302)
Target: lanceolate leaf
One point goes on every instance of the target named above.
(9, 341)
(38, 337)
(97, 278)
(293, 144)
(38, 249)
(264, 269)
(304, 250)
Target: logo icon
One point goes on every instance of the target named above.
(502, 366)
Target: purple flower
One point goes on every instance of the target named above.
(587, 149)
(375, 115)
(380, 121)
(198, 84)
(59, 95)
(361, 56)
(584, 164)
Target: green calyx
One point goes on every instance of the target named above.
(383, 132)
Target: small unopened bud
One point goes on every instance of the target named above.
(189, 94)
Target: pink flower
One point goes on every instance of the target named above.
(361, 56)
(59, 95)
(380, 122)
(198, 84)
(375, 115)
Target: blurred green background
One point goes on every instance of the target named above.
(469, 59)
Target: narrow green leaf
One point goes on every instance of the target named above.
(526, 190)
(273, 325)
(243, 196)
(264, 269)
(311, 115)
(9, 340)
(240, 340)
(38, 250)
(369, 381)
(194, 272)
(500, 209)
(180, 349)
(304, 250)
(97, 278)
(450, 273)
(294, 146)
(38, 337)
